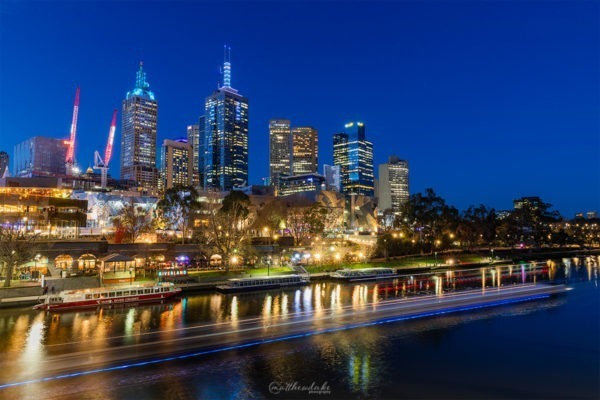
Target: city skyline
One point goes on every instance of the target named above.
(481, 119)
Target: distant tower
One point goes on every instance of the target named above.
(193, 138)
(354, 154)
(280, 149)
(305, 150)
(176, 164)
(292, 151)
(3, 163)
(225, 140)
(138, 134)
(393, 185)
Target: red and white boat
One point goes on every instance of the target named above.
(107, 296)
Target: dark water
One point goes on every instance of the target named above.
(544, 349)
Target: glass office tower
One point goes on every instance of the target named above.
(354, 155)
(225, 137)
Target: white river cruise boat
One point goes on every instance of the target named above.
(262, 283)
(107, 296)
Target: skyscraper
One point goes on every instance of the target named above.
(177, 164)
(393, 185)
(305, 150)
(3, 163)
(201, 150)
(280, 149)
(226, 136)
(138, 134)
(354, 154)
(193, 138)
(292, 151)
(40, 156)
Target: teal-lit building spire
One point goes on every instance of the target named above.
(142, 87)
(227, 67)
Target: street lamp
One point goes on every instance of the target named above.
(131, 275)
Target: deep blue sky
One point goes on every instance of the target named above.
(489, 101)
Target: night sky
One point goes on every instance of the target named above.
(488, 101)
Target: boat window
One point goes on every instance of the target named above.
(140, 292)
(119, 294)
(126, 293)
(165, 289)
(88, 296)
(147, 291)
(111, 294)
(96, 295)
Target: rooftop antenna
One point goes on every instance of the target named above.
(227, 67)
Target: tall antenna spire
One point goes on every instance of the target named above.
(227, 67)
(140, 77)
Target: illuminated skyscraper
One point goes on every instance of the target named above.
(138, 134)
(280, 149)
(393, 185)
(177, 164)
(292, 151)
(305, 150)
(354, 155)
(226, 136)
(193, 138)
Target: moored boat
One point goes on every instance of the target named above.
(364, 274)
(262, 283)
(107, 296)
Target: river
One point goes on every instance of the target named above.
(542, 349)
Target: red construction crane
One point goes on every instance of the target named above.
(70, 159)
(100, 164)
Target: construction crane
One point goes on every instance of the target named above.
(101, 164)
(70, 159)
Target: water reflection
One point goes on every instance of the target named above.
(234, 312)
(33, 348)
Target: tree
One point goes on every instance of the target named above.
(16, 248)
(427, 217)
(529, 223)
(477, 226)
(306, 222)
(134, 219)
(228, 226)
(177, 206)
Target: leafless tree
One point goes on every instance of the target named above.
(16, 248)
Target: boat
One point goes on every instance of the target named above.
(262, 283)
(107, 296)
(363, 274)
